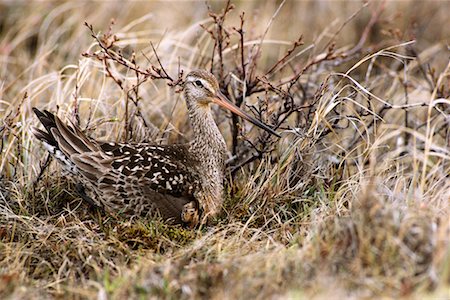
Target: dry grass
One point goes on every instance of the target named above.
(353, 201)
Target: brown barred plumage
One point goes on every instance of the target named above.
(178, 181)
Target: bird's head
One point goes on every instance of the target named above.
(202, 88)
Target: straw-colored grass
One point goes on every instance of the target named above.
(361, 211)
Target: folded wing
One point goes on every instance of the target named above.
(129, 178)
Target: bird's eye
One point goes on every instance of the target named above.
(198, 83)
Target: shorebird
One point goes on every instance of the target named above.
(181, 182)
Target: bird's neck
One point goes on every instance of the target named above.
(209, 149)
(208, 142)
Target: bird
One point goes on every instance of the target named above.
(182, 183)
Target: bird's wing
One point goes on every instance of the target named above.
(145, 174)
(131, 177)
(166, 169)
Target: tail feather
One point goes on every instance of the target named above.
(63, 145)
(44, 136)
(93, 147)
(76, 141)
(63, 141)
(48, 120)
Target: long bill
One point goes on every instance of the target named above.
(223, 101)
